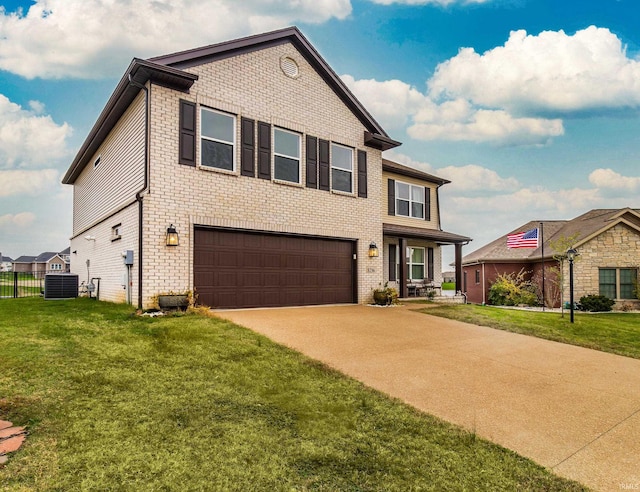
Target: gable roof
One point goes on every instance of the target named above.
(45, 257)
(585, 227)
(5, 258)
(168, 70)
(394, 167)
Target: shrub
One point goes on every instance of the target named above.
(385, 296)
(512, 289)
(594, 303)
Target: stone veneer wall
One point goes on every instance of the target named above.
(253, 85)
(618, 247)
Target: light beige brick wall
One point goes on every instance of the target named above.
(618, 247)
(252, 85)
(105, 255)
(409, 221)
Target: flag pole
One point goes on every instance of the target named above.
(542, 258)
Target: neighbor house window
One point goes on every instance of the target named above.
(409, 200)
(618, 283)
(56, 266)
(341, 168)
(218, 137)
(286, 155)
(416, 263)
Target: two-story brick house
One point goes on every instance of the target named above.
(245, 171)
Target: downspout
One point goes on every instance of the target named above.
(145, 185)
(484, 287)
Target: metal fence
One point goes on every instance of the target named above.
(21, 284)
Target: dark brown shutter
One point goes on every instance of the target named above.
(323, 165)
(264, 150)
(187, 145)
(427, 203)
(362, 174)
(430, 263)
(392, 262)
(391, 196)
(312, 162)
(248, 147)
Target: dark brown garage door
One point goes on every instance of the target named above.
(236, 269)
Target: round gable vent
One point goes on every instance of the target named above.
(289, 67)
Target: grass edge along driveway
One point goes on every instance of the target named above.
(113, 401)
(613, 332)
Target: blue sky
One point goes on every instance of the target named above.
(530, 107)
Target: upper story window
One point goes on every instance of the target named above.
(286, 155)
(341, 168)
(218, 139)
(409, 200)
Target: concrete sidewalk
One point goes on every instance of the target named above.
(573, 410)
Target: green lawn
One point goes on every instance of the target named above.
(618, 333)
(448, 285)
(114, 401)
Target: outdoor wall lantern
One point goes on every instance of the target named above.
(571, 256)
(172, 236)
(373, 250)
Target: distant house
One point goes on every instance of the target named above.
(607, 242)
(38, 266)
(6, 263)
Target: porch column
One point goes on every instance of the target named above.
(458, 267)
(404, 270)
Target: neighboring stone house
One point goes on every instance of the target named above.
(608, 245)
(245, 171)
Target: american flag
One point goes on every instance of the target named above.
(528, 239)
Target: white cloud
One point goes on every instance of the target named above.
(20, 220)
(608, 179)
(23, 182)
(28, 138)
(395, 104)
(392, 101)
(552, 72)
(95, 38)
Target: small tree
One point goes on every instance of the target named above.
(560, 247)
(511, 289)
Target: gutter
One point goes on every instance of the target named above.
(145, 185)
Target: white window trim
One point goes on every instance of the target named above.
(211, 139)
(299, 158)
(411, 200)
(410, 263)
(332, 167)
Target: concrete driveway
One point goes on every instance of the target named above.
(573, 410)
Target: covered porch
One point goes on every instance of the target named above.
(414, 259)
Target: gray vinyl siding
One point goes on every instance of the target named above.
(101, 190)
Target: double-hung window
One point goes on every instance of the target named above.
(218, 138)
(341, 168)
(286, 155)
(409, 200)
(416, 263)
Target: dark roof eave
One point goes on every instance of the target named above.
(380, 142)
(394, 167)
(140, 71)
(441, 237)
